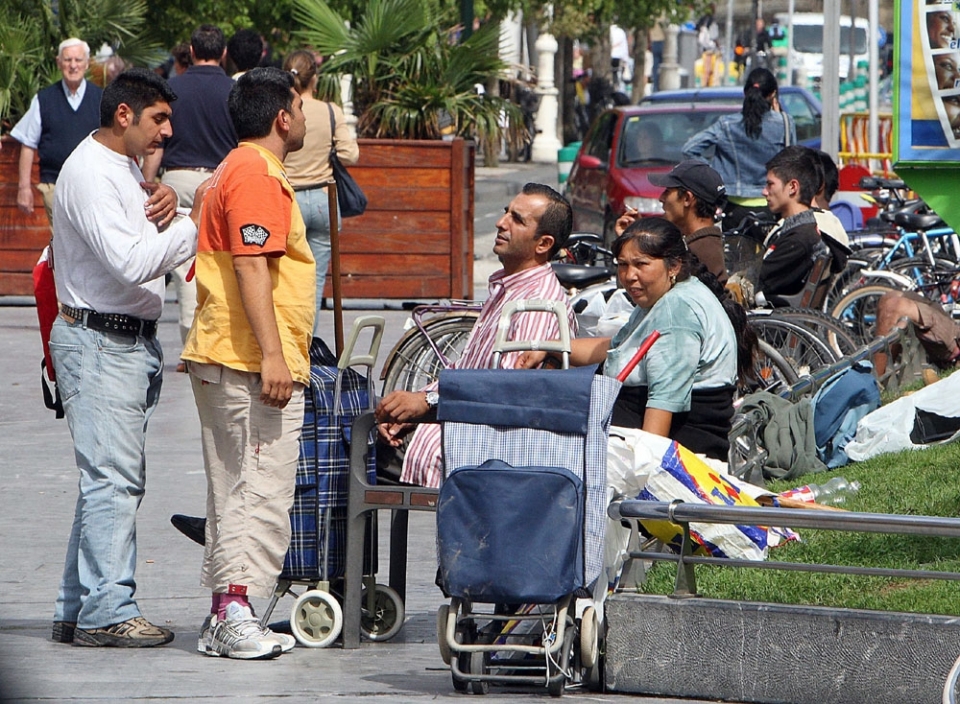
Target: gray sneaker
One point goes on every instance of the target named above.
(63, 631)
(138, 632)
(240, 636)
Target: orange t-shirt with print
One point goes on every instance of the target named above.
(250, 210)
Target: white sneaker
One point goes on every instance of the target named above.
(287, 641)
(240, 636)
(205, 641)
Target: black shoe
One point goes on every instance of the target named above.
(63, 631)
(194, 527)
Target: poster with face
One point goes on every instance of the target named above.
(928, 81)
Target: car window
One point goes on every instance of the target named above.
(600, 139)
(659, 137)
(808, 124)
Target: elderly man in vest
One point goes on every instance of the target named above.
(59, 118)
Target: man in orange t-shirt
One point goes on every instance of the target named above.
(248, 356)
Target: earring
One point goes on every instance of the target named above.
(673, 279)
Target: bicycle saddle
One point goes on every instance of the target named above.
(581, 275)
(919, 221)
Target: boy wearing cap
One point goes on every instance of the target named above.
(693, 195)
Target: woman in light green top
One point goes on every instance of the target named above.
(683, 388)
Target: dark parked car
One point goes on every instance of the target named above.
(622, 148)
(800, 104)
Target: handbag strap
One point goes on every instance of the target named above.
(786, 127)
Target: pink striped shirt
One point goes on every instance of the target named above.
(422, 463)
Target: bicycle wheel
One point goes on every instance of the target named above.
(825, 326)
(413, 363)
(773, 373)
(799, 346)
(857, 311)
(950, 686)
(933, 280)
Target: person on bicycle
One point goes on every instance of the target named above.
(534, 227)
(743, 143)
(828, 223)
(793, 178)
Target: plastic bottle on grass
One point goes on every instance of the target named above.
(832, 492)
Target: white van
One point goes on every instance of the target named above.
(806, 44)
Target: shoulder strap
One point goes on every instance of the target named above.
(786, 128)
(333, 131)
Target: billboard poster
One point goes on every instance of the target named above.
(928, 82)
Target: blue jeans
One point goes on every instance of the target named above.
(110, 385)
(315, 209)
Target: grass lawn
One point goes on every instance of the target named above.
(924, 482)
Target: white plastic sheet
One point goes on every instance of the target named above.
(888, 428)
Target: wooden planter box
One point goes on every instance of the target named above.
(414, 241)
(416, 238)
(22, 237)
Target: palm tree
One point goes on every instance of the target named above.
(409, 79)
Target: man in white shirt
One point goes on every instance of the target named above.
(110, 266)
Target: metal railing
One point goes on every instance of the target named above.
(683, 514)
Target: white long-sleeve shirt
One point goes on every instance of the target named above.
(107, 256)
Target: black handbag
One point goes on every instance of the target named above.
(350, 197)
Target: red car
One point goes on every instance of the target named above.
(622, 148)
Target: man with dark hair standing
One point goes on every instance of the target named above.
(533, 228)
(245, 49)
(110, 266)
(203, 134)
(248, 358)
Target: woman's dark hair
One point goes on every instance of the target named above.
(661, 239)
(757, 89)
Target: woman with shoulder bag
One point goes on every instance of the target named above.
(743, 143)
(308, 169)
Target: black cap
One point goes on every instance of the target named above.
(693, 176)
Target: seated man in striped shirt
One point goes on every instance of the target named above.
(533, 228)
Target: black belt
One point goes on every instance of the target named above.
(312, 186)
(111, 322)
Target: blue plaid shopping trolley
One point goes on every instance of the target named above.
(316, 558)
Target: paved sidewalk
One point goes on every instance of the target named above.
(37, 494)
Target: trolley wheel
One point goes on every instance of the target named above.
(316, 619)
(558, 682)
(459, 683)
(443, 616)
(589, 649)
(477, 667)
(385, 619)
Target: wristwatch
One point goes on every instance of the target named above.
(433, 398)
